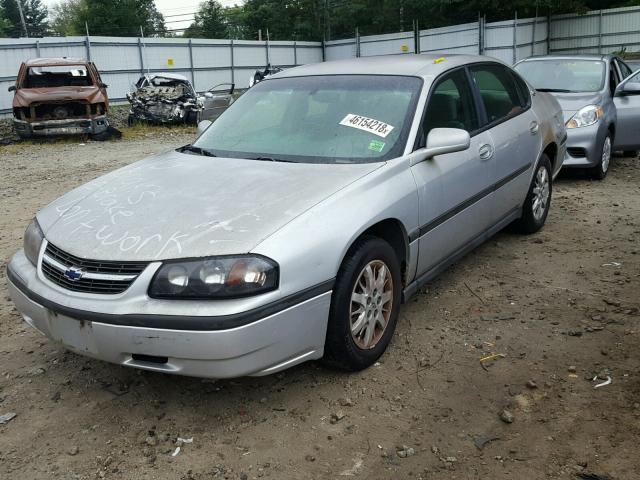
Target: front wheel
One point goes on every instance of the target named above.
(536, 205)
(364, 307)
(602, 168)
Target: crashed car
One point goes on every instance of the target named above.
(216, 100)
(260, 75)
(296, 224)
(165, 98)
(54, 96)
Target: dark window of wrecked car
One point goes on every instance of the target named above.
(318, 119)
(57, 76)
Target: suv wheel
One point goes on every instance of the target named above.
(536, 205)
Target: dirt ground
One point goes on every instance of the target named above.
(562, 306)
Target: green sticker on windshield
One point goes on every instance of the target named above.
(376, 146)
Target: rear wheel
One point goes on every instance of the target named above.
(536, 205)
(602, 168)
(364, 306)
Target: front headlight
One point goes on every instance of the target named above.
(586, 116)
(33, 238)
(215, 278)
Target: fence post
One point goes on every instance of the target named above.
(600, 33)
(533, 34)
(38, 48)
(324, 50)
(233, 64)
(295, 53)
(140, 56)
(87, 45)
(479, 34)
(549, 20)
(416, 37)
(515, 37)
(357, 43)
(193, 74)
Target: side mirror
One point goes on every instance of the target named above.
(12, 88)
(441, 141)
(203, 125)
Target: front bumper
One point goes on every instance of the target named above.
(71, 126)
(267, 345)
(584, 146)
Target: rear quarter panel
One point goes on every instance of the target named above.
(552, 125)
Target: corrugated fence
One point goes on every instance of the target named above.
(603, 31)
(122, 61)
(209, 62)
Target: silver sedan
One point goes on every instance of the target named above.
(297, 223)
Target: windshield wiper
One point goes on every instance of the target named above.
(557, 90)
(270, 159)
(197, 150)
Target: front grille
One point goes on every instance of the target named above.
(88, 276)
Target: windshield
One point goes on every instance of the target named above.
(564, 75)
(317, 119)
(57, 76)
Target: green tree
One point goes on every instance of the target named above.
(209, 22)
(65, 17)
(118, 18)
(4, 24)
(35, 17)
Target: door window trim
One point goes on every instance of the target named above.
(436, 82)
(495, 123)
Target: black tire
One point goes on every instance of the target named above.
(191, 118)
(341, 350)
(529, 222)
(599, 172)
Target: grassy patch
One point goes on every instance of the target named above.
(145, 130)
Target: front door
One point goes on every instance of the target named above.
(514, 128)
(454, 190)
(627, 101)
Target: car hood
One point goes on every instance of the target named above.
(26, 96)
(572, 102)
(179, 205)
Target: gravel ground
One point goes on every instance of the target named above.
(562, 306)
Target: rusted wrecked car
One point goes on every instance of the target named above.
(56, 96)
(164, 98)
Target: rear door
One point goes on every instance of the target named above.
(627, 102)
(453, 189)
(513, 127)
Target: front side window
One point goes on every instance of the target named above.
(451, 105)
(624, 69)
(498, 91)
(318, 119)
(564, 75)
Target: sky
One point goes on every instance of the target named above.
(177, 14)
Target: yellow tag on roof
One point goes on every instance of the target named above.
(439, 60)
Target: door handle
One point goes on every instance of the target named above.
(534, 127)
(485, 151)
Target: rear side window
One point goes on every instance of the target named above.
(57, 76)
(451, 105)
(498, 91)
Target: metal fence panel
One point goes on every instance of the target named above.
(462, 38)
(121, 59)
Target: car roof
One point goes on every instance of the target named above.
(423, 65)
(49, 62)
(174, 76)
(575, 56)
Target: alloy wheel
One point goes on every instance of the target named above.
(606, 154)
(371, 304)
(541, 193)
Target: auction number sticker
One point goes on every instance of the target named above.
(370, 125)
